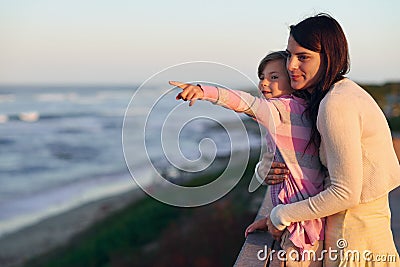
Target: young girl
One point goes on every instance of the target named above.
(291, 135)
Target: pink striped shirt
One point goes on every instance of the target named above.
(290, 131)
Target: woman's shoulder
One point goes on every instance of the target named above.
(347, 97)
(346, 92)
(344, 87)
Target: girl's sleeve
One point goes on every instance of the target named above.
(261, 110)
(340, 124)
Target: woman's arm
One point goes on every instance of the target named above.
(340, 125)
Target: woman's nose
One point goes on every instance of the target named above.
(291, 64)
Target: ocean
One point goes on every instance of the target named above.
(61, 146)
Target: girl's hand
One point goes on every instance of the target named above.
(276, 234)
(189, 92)
(277, 173)
(257, 225)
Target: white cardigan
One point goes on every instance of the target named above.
(356, 147)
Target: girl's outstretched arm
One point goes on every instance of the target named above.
(235, 100)
(260, 109)
(189, 92)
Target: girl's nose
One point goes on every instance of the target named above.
(264, 82)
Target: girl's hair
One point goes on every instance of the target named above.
(322, 34)
(277, 55)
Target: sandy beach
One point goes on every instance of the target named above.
(55, 231)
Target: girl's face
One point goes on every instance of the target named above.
(274, 80)
(304, 66)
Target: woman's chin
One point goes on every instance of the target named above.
(296, 85)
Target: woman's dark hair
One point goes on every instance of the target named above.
(323, 34)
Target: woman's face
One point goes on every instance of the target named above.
(304, 66)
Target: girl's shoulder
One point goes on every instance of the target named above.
(288, 99)
(289, 104)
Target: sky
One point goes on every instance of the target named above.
(126, 42)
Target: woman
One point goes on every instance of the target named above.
(355, 145)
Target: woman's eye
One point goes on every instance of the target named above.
(261, 77)
(274, 77)
(302, 57)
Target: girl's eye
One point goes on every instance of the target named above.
(261, 77)
(274, 77)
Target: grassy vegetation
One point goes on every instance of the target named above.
(150, 233)
(127, 229)
(380, 94)
(394, 124)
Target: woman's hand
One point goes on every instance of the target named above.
(257, 225)
(276, 234)
(277, 173)
(189, 92)
(271, 172)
